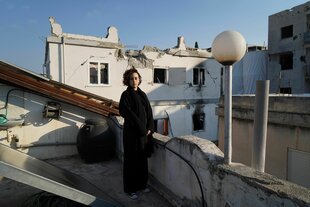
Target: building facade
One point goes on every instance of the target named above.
(289, 50)
(183, 87)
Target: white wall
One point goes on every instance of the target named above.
(39, 130)
(76, 75)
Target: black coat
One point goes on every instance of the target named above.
(136, 110)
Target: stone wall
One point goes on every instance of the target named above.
(189, 171)
(288, 129)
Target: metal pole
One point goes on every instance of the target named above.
(227, 115)
(260, 125)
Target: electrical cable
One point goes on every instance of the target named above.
(186, 161)
(213, 79)
(3, 117)
(189, 164)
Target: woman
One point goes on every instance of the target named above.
(135, 107)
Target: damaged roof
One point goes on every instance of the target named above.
(16, 76)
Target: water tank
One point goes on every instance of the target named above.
(95, 141)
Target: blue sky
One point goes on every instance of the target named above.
(24, 25)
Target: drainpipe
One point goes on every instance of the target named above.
(15, 138)
(43, 144)
(63, 61)
(260, 125)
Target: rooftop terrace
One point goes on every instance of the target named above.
(105, 175)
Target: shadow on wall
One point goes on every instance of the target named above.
(176, 98)
(30, 106)
(40, 136)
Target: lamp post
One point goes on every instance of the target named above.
(227, 48)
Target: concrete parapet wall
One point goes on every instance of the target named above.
(288, 129)
(282, 110)
(189, 171)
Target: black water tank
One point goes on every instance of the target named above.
(95, 141)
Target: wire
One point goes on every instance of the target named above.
(189, 164)
(7, 100)
(213, 79)
(3, 117)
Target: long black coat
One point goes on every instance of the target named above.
(138, 119)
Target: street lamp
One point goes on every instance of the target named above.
(227, 48)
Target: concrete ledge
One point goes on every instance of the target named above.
(274, 117)
(281, 103)
(84, 42)
(269, 189)
(283, 110)
(189, 171)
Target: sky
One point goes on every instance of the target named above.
(24, 24)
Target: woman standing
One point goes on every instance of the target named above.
(136, 110)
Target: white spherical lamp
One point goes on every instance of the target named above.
(228, 47)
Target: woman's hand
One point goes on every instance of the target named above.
(148, 132)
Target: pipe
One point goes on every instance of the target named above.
(260, 125)
(63, 61)
(43, 144)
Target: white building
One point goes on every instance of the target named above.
(182, 85)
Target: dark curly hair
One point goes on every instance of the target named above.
(128, 73)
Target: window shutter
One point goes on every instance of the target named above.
(177, 76)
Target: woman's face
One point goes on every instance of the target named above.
(134, 80)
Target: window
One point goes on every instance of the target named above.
(98, 73)
(199, 121)
(286, 61)
(287, 32)
(199, 76)
(286, 90)
(160, 75)
(161, 126)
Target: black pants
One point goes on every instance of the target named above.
(135, 171)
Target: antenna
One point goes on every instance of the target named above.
(87, 59)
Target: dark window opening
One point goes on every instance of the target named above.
(159, 75)
(287, 32)
(286, 61)
(161, 126)
(199, 121)
(104, 73)
(287, 90)
(93, 73)
(199, 76)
